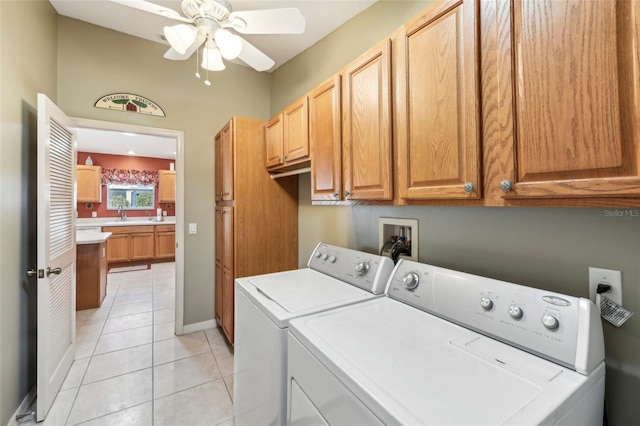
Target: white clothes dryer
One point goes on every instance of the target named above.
(449, 348)
(264, 305)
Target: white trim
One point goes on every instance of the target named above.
(24, 407)
(179, 137)
(199, 326)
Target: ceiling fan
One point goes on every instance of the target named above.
(208, 23)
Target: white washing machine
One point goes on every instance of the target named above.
(449, 348)
(264, 304)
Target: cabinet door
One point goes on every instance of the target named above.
(325, 140)
(165, 247)
(367, 132)
(227, 272)
(273, 142)
(219, 241)
(141, 246)
(118, 248)
(296, 131)
(572, 68)
(166, 186)
(89, 188)
(438, 104)
(224, 163)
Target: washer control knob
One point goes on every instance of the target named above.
(550, 321)
(362, 268)
(318, 254)
(411, 281)
(515, 311)
(486, 303)
(332, 259)
(325, 256)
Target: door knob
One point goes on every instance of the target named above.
(51, 270)
(32, 273)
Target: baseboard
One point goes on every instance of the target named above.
(24, 407)
(199, 326)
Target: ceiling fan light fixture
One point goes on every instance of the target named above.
(211, 59)
(230, 45)
(180, 37)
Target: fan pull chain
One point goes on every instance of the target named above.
(197, 62)
(207, 82)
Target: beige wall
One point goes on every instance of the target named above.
(27, 66)
(540, 247)
(93, 62)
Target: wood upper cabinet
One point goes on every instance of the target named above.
(287, 136)
(88, 180)
(166, 186)
(367, 127)
(570, 91)
(325, 140)
(224, 163)
(438, 103)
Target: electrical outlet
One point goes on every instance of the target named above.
(611, 277)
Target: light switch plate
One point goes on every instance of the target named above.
(193, 228)
(609, 276)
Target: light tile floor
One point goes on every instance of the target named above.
(131, 369)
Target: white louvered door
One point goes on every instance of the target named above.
(56, 252)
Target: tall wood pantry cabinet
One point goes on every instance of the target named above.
(256, 217)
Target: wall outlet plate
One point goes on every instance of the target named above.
(609, 276)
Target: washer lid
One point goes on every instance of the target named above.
(411, 367)
(289, 294)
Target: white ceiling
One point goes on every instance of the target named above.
(322, 17)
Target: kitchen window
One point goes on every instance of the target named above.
(131, 197)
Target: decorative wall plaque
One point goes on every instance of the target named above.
(129, 102)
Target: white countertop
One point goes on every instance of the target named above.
(92, 237)
(114, 221)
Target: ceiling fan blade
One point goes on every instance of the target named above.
(173, 54)
(253, 57)
(153, 8)
(268, 21)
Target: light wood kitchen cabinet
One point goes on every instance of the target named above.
(165, 244)
(567, 101)
(257, 231)
(166, 186)
(224, 164)
(438, 103)
(88, 179)
(91, 275)
(130, 243)
(367, 126)
(325, 140)
(287, 136)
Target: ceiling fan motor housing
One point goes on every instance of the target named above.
(218, 10)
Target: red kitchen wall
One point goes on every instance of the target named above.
(109, 161)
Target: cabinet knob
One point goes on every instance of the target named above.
(335, 195)
(469, 187)
(506, 185)
(347, 195)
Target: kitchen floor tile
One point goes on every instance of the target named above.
(111, 395)
(164, 315)
(225, 364)
(164, 331)
(179, 347)
(183, 374)
(117, 363)
(58, 412)
(229, 382)
(131, 308)
(207, 404)
(124, 339)
(128, 322)
(140, 415)
(75, 374)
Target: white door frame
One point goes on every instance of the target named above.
(179, 137)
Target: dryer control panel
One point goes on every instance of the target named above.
(564, 329)
(367, 271)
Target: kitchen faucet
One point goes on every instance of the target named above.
(122, 213)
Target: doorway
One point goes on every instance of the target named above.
(178, 137)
